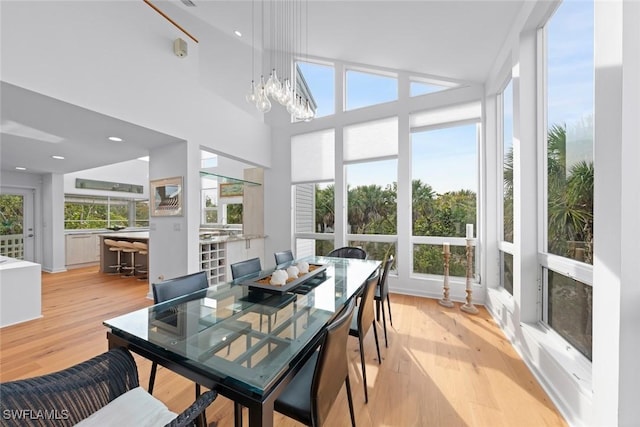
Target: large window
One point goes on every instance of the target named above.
(313, 191)
(321, 82)
(507, 162)
(96, 212)
(444, 188)
(365, 89)
(569, 173)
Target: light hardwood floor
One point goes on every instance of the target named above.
(442, 368)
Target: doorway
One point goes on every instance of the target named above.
(17, 228)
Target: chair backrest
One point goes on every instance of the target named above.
(244, 268)
(179, 286)
(332, 366)
(284, 256)
(348, 252)
(384, 286)
(365, 309)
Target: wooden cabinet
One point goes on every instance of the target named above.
(82, 249)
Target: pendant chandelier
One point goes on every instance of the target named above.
(285, 22)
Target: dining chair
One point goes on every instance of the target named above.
(348, 252)
(284, 256)
(244, 268)
(174, 288)
(363, 319)
(382, 294)
(251, 266)
(310, 395)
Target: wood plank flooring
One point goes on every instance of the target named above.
(443, 367)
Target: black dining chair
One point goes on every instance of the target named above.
(363, 319)
(348, 252)
(174, 288)
(283, 257)
(244, 268)
(310, 395)
(382, 294)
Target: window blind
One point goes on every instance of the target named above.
(371, 140)
(313, 157)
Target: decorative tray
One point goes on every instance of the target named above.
(263, 281)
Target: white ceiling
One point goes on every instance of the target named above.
(36, 127)
(457, 40)
(453, 39)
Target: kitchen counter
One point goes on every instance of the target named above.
(230, 238)
(20, 291)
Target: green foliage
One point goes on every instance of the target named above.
(11, 207)
(234, 213)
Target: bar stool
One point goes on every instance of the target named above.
(143, 249)
(128, 248)
(114, 247)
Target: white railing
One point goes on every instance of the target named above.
(12, 245)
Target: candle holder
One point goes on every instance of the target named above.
(468, 306)
(445, 301)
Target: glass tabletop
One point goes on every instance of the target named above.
(244, 336)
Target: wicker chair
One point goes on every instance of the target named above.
(67, 397)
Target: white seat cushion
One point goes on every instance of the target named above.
(134, 408)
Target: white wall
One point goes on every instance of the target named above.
(131, 172)
(117, 58)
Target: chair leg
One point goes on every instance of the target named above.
(364, 370)
(152, 377)
(378, 310)
(389, 305)
(350, 398)
(384, 325)
(375, 334)
(237, 414)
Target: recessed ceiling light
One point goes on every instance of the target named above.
(237, 33)
(115, 138)
(58, 157)
(20, 168)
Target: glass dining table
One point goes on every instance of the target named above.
(243, 341)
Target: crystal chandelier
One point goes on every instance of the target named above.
(285, 23)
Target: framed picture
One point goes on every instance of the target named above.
(231, 189)
(166, 197)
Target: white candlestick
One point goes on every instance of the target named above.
(445, 247)
(469, 231)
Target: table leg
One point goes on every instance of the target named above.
(261, 416)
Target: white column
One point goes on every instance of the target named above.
(53, 242)
(616, 294)
(525, 172)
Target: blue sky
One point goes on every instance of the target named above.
(446, 158)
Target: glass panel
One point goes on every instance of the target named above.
(85, 213)
(307, 247)
(506, 273)
(372, 194)
(570, 75)
(314, 208)
(321, 82)
(507, 164)
(365, 89)
(118, 213)
(429, 259)
(420, 88)
(234, 213)
(376, 250)
(11, 225)
(444, 167)
(142, 213)
(570, 304)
